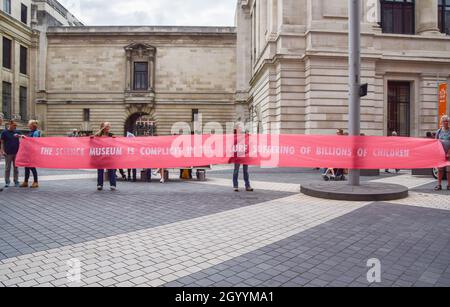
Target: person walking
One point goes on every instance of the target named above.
(105, 131)
(443, 135)
(34, 133)
(9, 149)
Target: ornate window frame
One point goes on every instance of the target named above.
(140, 52)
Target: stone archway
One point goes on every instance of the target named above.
(140, 124)
(140, 121)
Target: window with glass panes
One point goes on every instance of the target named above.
(24, 13)
(23, 60)
(6, 99)
(398, 16)
(140, 76)
(444, 16)
(7, 6)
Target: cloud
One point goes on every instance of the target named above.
(153, 12)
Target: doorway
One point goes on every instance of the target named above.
(140, 124)
(399, 108)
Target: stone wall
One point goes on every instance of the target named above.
(20, 35)
(299, 70)
(195, 68)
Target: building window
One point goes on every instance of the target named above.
(23, 60)
(398, 16)
(7, 53)
(444, 16)
(7, 6)
(140, 61)
(86, 115)
(23, 103)
(140, 76)
(6, 100)
(24, 14)
(399, 108)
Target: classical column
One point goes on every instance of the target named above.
(427, 17)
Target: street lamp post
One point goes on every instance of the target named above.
(354, 62)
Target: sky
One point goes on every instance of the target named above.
(153, 12)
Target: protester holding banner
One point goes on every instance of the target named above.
(105, 129)
(34, 133)
(443, 135)
(10, 148)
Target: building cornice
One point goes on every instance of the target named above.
(18, 25)
(141, 30)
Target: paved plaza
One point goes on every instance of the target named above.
(202, 234)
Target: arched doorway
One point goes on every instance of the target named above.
(140, 124)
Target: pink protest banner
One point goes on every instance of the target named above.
(260, 150)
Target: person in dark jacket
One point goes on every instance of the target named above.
(9, 149)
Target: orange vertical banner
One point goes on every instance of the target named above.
(442, 101)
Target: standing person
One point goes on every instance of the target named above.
(394, 134)
(74, 133)
(105, 129)
(443, 135)
(160, 171)
(237, 167)
(34, 133)
(10, 148)
(1, 155)
(134, 171)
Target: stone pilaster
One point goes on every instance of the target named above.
(427, 17)
(243, 58)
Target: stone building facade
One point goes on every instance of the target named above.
(124, 74)
(293, 71)
(283, 68)
(20, 42)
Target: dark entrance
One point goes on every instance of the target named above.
(140, 124)
(399, 108)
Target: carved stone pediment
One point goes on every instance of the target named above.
(140, 50)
